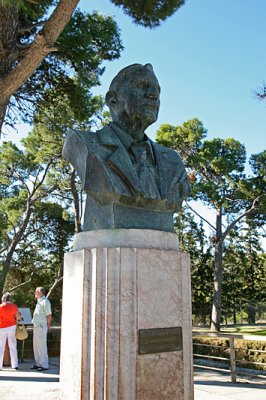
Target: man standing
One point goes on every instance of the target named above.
(42, 317)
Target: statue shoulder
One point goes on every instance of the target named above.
(80, 137)
(77, 146)
(80, 142)
(170, 154)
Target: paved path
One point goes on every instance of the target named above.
(26, 384)
(209, 385)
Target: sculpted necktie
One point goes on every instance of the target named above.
(145, 168)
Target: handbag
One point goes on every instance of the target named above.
(21, 332)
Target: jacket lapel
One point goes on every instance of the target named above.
(119, 161)
(166, 168)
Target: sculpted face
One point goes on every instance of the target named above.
(135, 103)
(139, 98)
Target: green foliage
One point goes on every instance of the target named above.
(218, 166)
(15, 169)
(86, 41)
(258, 164)
(26, 4)
(245, 350)
(46, 142)
(41, 251)
(244, 272)
(32, 228)
(192, 239)
(106, 118)
(73, 109)
(223, 156)
(69, 73)
(186, 138)
(149, 13)
(218, 179)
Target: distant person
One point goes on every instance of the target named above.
(9, 315)
(42, 317)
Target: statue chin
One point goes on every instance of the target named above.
(147, 117)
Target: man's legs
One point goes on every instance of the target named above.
(36, 341)
(3, 337)
(40, 346)
(12, 344)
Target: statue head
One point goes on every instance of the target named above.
(134, 98)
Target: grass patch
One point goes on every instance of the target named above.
(238, 329)
(251, 330)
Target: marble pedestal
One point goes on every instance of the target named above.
(119, 284)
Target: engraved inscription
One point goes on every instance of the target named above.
(160, 340)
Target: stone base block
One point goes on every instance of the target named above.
(117, 304)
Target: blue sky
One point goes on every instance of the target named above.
(209, 57)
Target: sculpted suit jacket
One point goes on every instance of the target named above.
(109, 177)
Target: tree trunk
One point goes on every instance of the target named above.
(76, 202)
(217, 303)
(8, 36)
(12, 247)
(8, 47)
(3, 107)
(235, 322)
(14, 73)
(6, 267)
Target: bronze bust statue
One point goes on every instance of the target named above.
(130, 181)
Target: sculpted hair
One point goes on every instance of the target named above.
(123, 74)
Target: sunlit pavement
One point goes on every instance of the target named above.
(209, 385)
(21, 384)
(26, 383)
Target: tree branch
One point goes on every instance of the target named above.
(19, 233)
(22, 181)
(261, 92)
(76, 201)
(39, 183)
(30, 28)
(22, 284)
(205, 220)
(54, 286)
(42, 45)
(23, 47)
(3, 249)
(252, 209)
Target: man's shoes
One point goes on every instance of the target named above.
(35, 367)
(42, 369)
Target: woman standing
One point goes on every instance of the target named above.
(9, 315)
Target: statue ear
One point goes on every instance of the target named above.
(111, 99)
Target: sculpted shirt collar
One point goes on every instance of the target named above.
(128, 141)
(124, 137)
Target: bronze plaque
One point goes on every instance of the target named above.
(160, 340)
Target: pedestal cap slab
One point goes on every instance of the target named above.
(133, 238)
